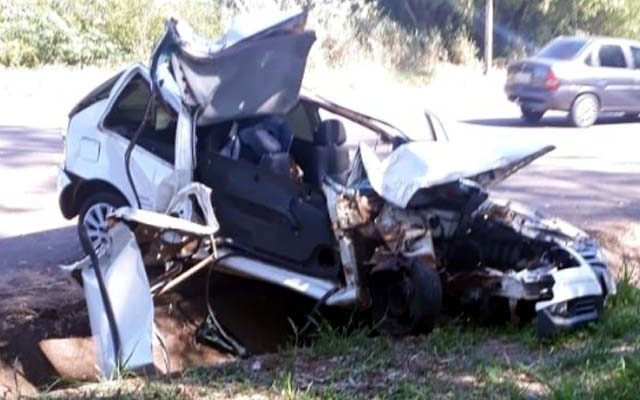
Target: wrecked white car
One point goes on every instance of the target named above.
(394, 229)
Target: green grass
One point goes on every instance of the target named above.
(459, 360)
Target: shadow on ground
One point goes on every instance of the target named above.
(550, 121)
(21, 145)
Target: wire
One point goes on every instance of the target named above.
(240, 350)
(234, 344)
(132, 144)
(316, 308)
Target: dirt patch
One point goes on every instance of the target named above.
(46, 330)
(621, 244)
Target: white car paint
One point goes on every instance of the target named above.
(417, 165)
(149, 172)
(127, 283)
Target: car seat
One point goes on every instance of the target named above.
(265, 144)
(326, 156)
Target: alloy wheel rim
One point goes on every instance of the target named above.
(95, 222)
(587, 111)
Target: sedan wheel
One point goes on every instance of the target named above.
(406, 300)
(93, 217)
(530, 115)
(584, 111)
(95, 222)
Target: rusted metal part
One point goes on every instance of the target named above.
(406, 233)
(347, 210)
(352, 211)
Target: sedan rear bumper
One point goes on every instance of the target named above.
(539, 99)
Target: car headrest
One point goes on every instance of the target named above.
(330, 132)
(257, 142)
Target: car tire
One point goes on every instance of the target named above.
(93, 213)
(530, 115)
(584, 110)
(422, 304)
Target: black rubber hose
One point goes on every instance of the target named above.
(132, 144)
(106, 301)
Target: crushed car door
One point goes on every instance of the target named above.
(269, 210)
(152, 158)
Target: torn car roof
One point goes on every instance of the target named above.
(256, 68)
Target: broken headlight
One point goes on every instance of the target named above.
(559, 309)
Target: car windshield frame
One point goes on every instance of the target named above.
(385, 129)
(563, 49)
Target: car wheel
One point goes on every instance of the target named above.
(530, 115)
(93, 216)
(584, 110)
(406, 300)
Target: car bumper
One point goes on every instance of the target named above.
(538, 99)
(578, 293)
(575, 313)
(63, 181)
(65, 185)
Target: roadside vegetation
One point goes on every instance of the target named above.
(402, 35)
(458, 360)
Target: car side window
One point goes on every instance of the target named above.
(128, 112)
(635, 53)
(612, 56)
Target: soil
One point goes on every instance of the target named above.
(42, 308)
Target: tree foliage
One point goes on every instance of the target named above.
(36, 32)
(521, 24)
(403, 33)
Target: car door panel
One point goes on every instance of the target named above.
(614, 78)
(267, 212)
(635, 56)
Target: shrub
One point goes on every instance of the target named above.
(113, 31)
(81, 32)
(462, 49)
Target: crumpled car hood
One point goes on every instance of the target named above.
(420, 165)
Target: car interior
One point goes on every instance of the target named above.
(266, 174)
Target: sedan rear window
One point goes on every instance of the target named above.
(563, 49)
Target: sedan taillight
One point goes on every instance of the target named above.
(551, 82)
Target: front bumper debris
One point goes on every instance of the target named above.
(569, 315)
(579, 292)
